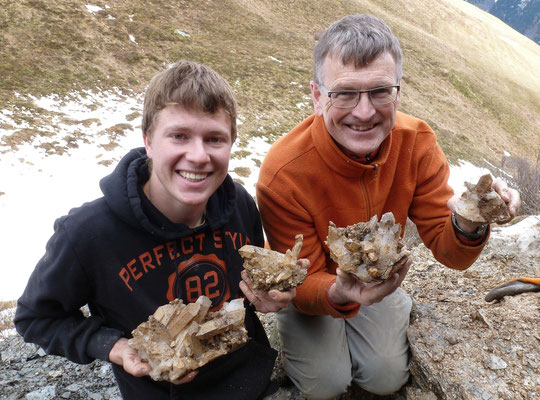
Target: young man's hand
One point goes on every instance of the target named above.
(273, 300)
(347, 288)
(128, 358)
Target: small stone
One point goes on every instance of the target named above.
(495, 363)
(74, 387)
(46, 393)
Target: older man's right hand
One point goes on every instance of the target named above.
(347, 288)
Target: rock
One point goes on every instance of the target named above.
(369, 250)
(268, 269)
(464, 348)
(179, 338)
(493, 362)
(46, 393)
(480, 203)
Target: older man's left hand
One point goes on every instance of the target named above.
(510, 196)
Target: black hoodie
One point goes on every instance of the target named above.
(123, 258)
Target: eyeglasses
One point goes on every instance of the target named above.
(350, 98)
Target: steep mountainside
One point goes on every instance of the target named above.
(522, 15)
(467, 74)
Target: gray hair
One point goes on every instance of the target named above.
(358, 38)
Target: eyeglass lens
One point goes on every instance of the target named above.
(350, 99)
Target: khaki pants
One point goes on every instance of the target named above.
(324, 354)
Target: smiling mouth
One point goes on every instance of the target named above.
(361, 128)
(193, 177)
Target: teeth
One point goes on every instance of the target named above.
(192, 176)
(361, 128)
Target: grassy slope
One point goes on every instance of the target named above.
(470, 76)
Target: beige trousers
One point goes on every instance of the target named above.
(323, 355)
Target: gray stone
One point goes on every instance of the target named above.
(46, 393)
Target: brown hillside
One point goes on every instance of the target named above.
(474, 79)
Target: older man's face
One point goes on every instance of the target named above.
(360, 130)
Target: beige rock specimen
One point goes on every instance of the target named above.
(369, 250)
(179, 338)
(480, 203)
(269, 269)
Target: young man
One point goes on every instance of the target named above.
(354, 158)
(168, 226)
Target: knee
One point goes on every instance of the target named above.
(385, 376)
(326, 383)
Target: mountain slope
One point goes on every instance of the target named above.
(522, 15)
(466, 73)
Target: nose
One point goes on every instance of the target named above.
(364, 110)
(197, 152)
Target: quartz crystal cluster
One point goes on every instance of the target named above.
(268, 269)
(480, 203)
(369, 250)
(179, 338)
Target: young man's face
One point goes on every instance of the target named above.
(190, 153)
(360, 130)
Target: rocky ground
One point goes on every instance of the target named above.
(462, 346)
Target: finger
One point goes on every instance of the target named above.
(514, 202)
(342, 274)
(248, 292)
(303, 263)
(136, 367)
(245, 277)
(402, 273)
(186, 378)
(282, 297)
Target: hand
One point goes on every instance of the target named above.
(510, 196)
(272, 300)
(347, 288)
(128, 358)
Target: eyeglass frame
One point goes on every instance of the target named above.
(359, 93)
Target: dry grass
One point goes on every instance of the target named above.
(525, 177)
(466, 73)
(6, 319)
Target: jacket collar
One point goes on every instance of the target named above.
(337, 160)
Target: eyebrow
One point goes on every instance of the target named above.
(186, 128)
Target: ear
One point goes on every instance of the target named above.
(316, 97)
(148, 145)
(398, 98)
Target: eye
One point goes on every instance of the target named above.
(381, 92)
(344, 96)
(179, 136)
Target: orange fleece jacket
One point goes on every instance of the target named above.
(305, 182)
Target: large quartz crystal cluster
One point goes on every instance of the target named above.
(268, 269)
(480, 203)
(179, 338)
(370, 250)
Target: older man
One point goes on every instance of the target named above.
(356, 157)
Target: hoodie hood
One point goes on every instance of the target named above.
(123, 193)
